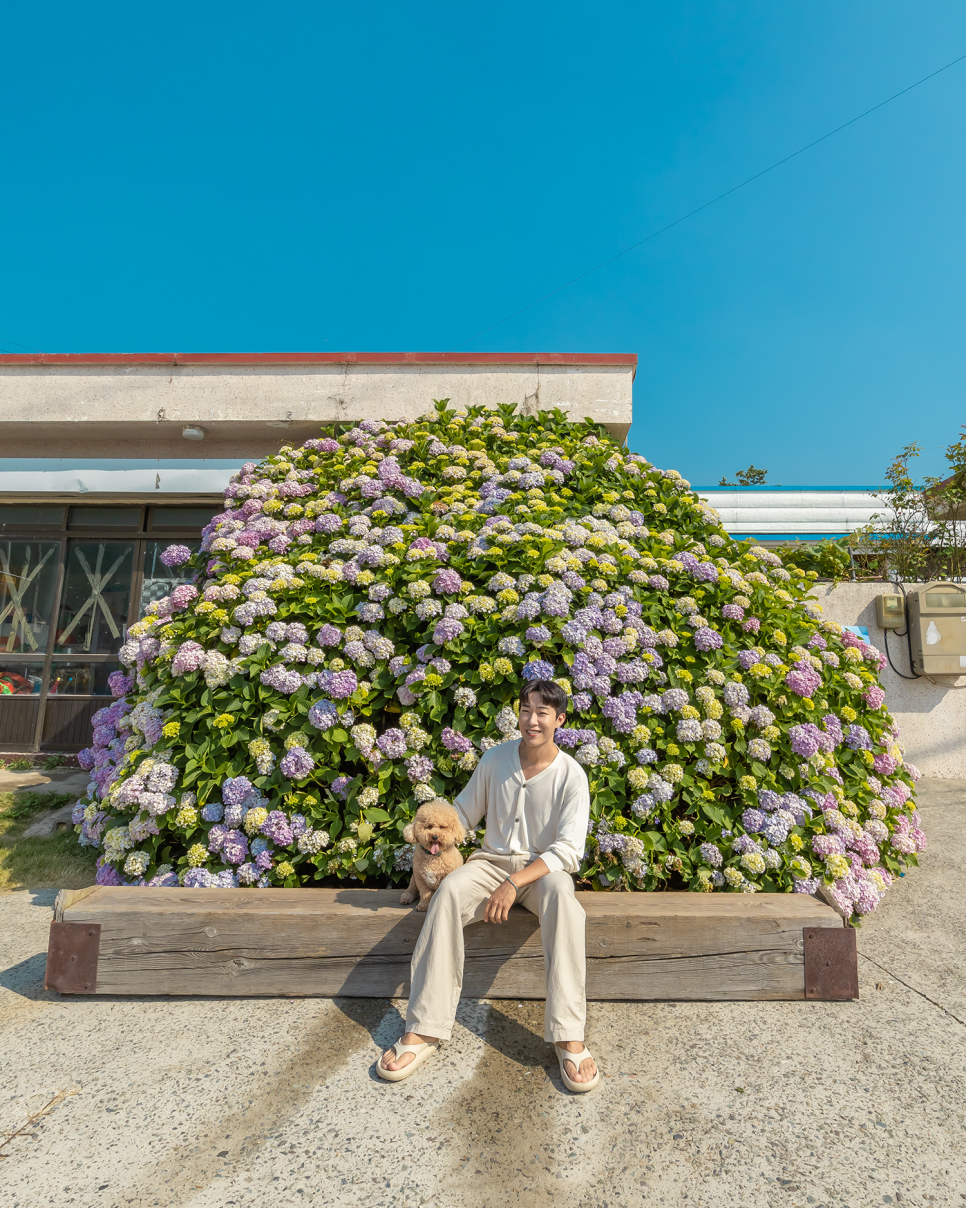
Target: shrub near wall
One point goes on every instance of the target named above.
(365, 611)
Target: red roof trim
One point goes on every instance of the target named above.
(320, 358)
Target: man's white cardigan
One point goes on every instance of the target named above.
(545, 816)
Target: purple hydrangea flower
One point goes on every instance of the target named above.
(832, 734)
(768, 799)
(236, 790)
(235, 848)
(329, 635)
(341, 684)
(540, 669)
(621, 712)
(281, 679)
(803, 680)
(511, 646)
(858, 739)
(213, 812)
(119, 683)
(447, 582)
(776, 829)
(447, 630)
(573, 633)
(611, 843)
(182, 596)
(827, 845)
(419, 769)
(805, 739)
(711, 854)
(539, 635)
(167, 880)
(216, 837)
(175, 555)
(340, 785)
(323, 714)
(198, 878)
(733, 612)
(706, 638)
(761, 716)
(689, 731)
(753, 820)
(276, 826)
(674, 698)
(659, 583)
(296, 764)
(735, 695)
(189, 658)
(392, 743)
(453, 740)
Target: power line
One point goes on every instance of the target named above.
(25, 346)
(720, 197)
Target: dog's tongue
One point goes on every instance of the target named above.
(434, 849)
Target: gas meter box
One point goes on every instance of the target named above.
(890, 611)
(937, 629)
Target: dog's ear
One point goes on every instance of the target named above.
(408, 834)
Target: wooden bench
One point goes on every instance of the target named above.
(358, 943)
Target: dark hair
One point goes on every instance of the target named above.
(550, 694)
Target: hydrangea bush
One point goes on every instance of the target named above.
(362, 615)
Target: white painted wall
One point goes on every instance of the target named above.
(138, 410)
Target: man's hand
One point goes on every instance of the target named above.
(498, 904)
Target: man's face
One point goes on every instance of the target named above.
(538, 721)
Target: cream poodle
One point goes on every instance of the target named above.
(436, 832)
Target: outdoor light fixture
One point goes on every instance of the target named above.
(193, 432)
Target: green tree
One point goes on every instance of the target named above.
(752, 477)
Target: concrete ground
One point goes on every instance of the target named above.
(37, 780)
(205, 1103)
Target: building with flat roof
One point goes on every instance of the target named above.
(127, 453)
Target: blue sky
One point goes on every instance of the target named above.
(300, 177)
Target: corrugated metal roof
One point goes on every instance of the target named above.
(805, 512)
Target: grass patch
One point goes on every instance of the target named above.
(55, 862)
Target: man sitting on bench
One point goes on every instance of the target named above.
(536, 801)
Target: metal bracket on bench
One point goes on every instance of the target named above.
(72, 958)
(831, 963)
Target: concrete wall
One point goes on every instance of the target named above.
(249, 406)
(931, 715)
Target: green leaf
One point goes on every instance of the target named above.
(376, 815)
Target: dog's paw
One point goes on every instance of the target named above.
(406, 898)
(423, 905)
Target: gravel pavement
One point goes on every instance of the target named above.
(204, 1103)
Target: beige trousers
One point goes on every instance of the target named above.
(437, 968)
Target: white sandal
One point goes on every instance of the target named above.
(421, 1052)
(577, 1087)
